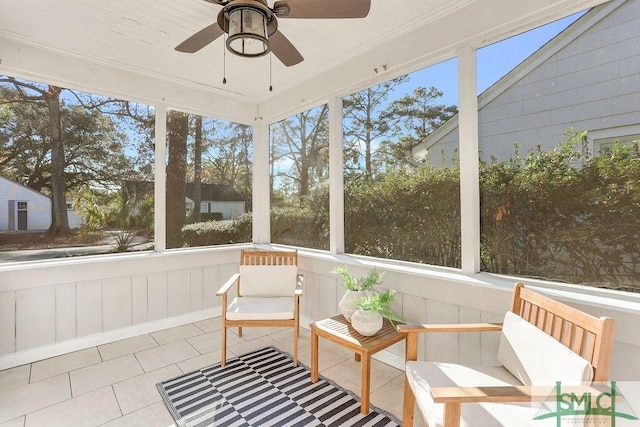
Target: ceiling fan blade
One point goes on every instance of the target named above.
(284, 50)
(315, 9)
(200, 39)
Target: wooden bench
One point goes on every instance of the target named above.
(542, 341)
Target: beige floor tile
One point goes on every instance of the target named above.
(155, 415)
(253, 333)
(200, 362)
(16, 422)
(95, 377)
(90, 409)
(399, 379)
(327, 357)
(389, 398)
(139, 392)
(253, 345)
(15, 377)
(343, 382)
(207, 343)
(132, 367)
(168, 354)
(22, 400)
(286, 336)
(176, 334)
(210, 325)
(65, 363)
(127, 346)
(381, 373)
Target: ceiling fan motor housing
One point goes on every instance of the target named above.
(249, 23)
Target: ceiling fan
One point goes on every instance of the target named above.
(252, 26)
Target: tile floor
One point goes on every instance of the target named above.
(114, 384)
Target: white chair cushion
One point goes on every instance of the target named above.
(268, 280)
(424, 375)
(534, 357)
(261, 308)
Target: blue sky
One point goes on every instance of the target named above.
(494, 61)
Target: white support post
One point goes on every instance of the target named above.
(336, 177)
(261, 189)
(469, 164)
(160, 179)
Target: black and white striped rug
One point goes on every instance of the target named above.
(262, 388)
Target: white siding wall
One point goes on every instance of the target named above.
(56, 307)
(228, 209)
(38, 205)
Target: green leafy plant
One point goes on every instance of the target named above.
(380, 302)
(353, 283)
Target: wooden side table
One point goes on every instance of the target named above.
(339, 330)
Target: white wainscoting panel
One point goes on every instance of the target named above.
(65, 312)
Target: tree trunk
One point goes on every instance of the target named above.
(176, 175)
(197, 170)
(59, 220)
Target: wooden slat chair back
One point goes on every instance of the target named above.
(588, 336)
(249, 257)
(261, 258)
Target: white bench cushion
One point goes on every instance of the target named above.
(424, 375)
(534, 357)
(261, 308)
(268, 280)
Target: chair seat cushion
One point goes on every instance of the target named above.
(261, 308)
(424, 375)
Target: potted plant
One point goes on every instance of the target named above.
(367, 320)
(357, 287)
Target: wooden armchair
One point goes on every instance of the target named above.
(268, 294)
(542, 341)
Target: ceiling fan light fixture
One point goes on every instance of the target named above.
(248, 32)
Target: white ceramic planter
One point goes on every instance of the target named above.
(366, 322)
(347, 306)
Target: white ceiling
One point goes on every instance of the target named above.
(139, 36)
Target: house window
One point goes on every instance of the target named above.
(22, 206)
(204, 207)
(604, 146)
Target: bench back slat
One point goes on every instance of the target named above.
(588, 336)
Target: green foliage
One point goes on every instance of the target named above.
(408, 215)
(86, 204)
(563, 216)
(381, 302)
(557, 214)
(301, 225)
(353, 283)
(237, 230)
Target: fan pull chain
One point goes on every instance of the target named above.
(270, 86)
(224, 61)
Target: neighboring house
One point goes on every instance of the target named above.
(588, 77)
(215, 198)
(25, 209)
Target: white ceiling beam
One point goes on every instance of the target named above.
(26, 61)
